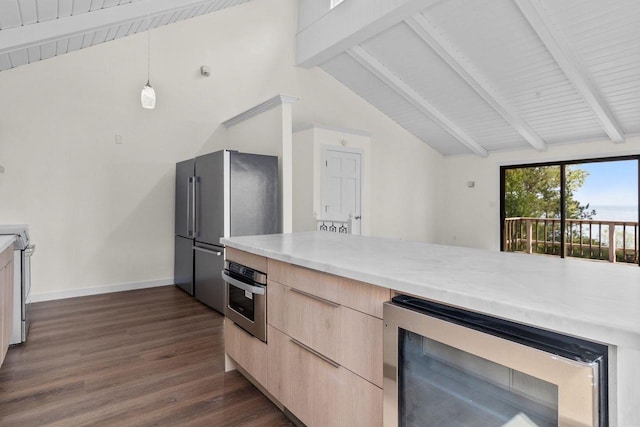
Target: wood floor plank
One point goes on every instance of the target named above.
(137, 358)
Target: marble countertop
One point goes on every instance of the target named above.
(588, 299)
(5, 241)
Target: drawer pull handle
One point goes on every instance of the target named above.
(326, 301)
(315, 353)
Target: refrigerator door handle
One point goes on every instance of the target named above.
(194, 193)
(189, 224)
(208, 251)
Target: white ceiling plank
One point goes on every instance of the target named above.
(5, 62)
(47, 10)
(174, 17)
(81, 6)
(65, 8)
(452, 56)
(19, 57)
(110, 3)
(48, 50)
(197, 11)
(9, 14)
(135, 28)
(111, 34)
(75, 42)
(561, 52)
(80, 23)
(164, 19)
(34, 54)
(123, 30)
(87, 40)
(62, 47)
(99, 36)
(349, 25)
(390, 79)
(96, 5)
(28, 11)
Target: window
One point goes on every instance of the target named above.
(585, 209)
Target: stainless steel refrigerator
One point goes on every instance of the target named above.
(222, 194)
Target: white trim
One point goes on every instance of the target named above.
(407, 92)
(430, 35)
(308, 126)
(577, 75)
(260, 108)
(83, 292)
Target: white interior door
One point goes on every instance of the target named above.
(341, 185)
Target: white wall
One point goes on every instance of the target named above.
(308, 146)
(471, 216)
(101, 213)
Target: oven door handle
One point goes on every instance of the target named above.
(258, 290)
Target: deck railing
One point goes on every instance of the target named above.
(613, 241)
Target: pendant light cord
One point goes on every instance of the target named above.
(149, 50)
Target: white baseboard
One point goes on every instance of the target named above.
(73, 293)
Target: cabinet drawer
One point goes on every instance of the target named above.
(313, 282)
(361, 344)
(256, 262)
(312, 387)
(248, 351)
(314, 322)
(323, 394)
(360, 296)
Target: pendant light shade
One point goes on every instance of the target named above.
(148, 97)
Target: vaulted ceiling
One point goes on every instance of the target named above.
(480, 76)
(464, 76)
(32, 30)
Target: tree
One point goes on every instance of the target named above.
(534, 192)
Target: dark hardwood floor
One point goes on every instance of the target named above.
(152, 357)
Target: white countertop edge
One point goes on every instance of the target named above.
(562, 323)
(6, 241)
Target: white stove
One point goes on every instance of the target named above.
(23, 249)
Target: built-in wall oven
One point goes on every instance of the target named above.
(246, 298)
(444, 366)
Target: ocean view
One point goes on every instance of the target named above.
(615, 213)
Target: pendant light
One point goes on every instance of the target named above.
(148, 95)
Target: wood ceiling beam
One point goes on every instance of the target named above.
(43, 32)
(445, 49)
(349, 24)
(559, 49)
(414, 98)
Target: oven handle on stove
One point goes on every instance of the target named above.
(258, 290)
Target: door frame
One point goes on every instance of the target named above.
(351, 150)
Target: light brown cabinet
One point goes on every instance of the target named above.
(6, 304)
(247, 351)
(323, 357)
(327, 337)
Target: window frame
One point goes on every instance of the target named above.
(563, 165)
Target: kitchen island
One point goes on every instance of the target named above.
(591, 300)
